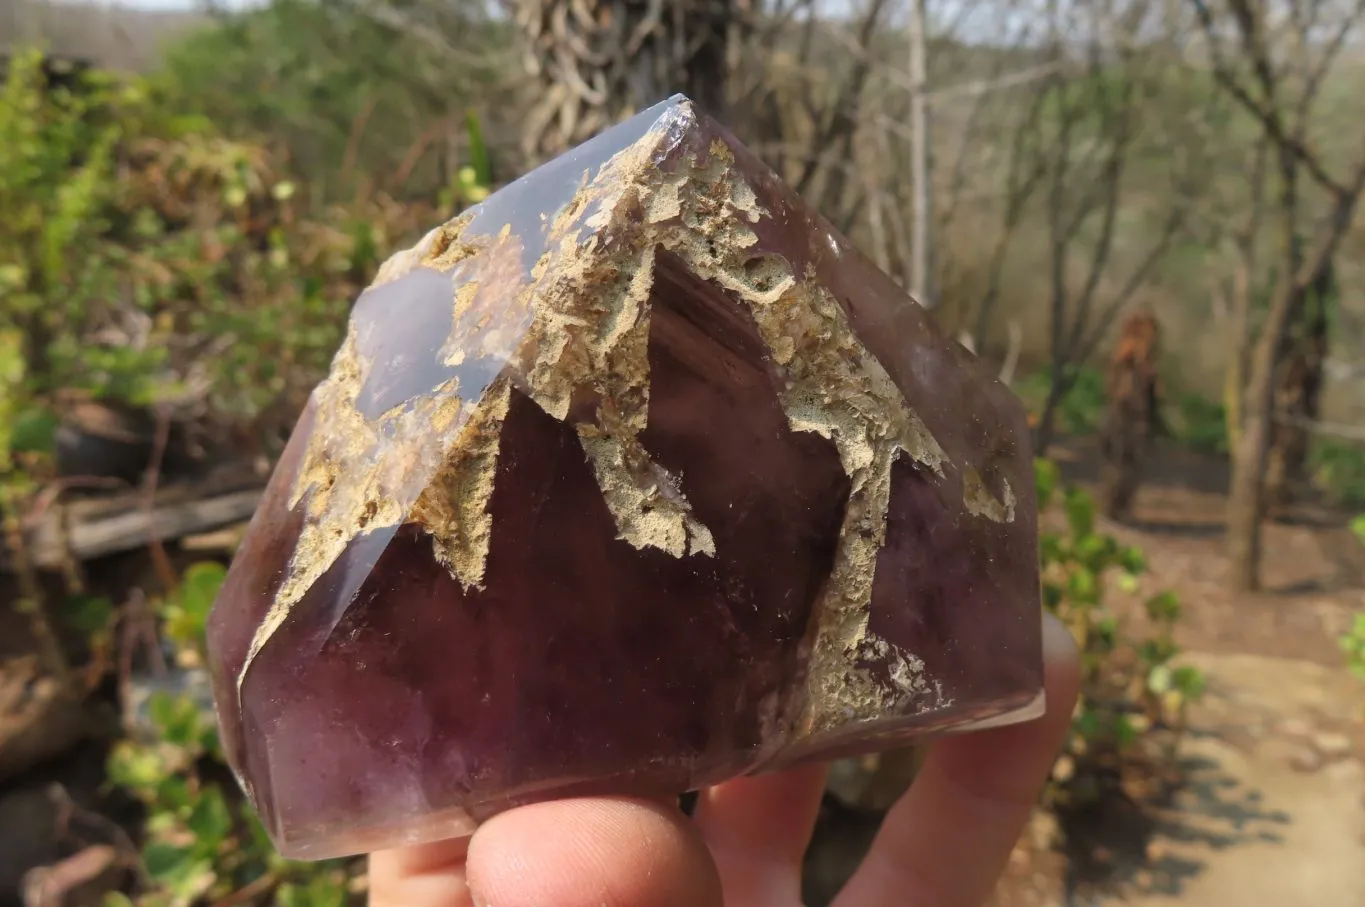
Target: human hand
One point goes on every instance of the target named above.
(943, 844)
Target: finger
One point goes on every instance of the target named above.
(428, 875)
(758, 829)
(946, 841)
(592, 852)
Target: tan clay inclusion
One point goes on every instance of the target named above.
(584, 334)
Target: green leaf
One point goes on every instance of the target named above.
(1050, 548)
(1164, 607)
(210, 819)
(1157, 651)
(1132, 560)
(12, 366)
(1125, 734)
(136, 768)
(165, 861)
(1083, 586)
(177, 718)
(1095, 550)
(255, 829)
(1046, 477)
(187, 609)
(1160, 679)
(1189, 681)
(88, 614)
(178, 869)
(478, 151)
(34, 431)
(1107, 633)
(1080, 512)
(173, 794)
(1086, 724)
(322, 890)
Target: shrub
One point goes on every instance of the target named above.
(1339, 471)
(146, 258)
(1081, 409)
(1134, 697)
(358, 103)
(1201, 423)
(201, 839)
(1353, 641)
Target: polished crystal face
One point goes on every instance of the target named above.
(634, 478)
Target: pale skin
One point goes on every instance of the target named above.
(944, 844)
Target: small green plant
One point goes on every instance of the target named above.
(473, 182)
(1132, 691)
(1353, 641)
(147, 259)
(202, 841)
(1339, 471)
(1081, 409)
(1201, 423)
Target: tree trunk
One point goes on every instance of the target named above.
(1298, 392)
(597, 62)
(1045, 432)
(1234, 382)
(1246, 496)
(921, 210)
(1235, 377)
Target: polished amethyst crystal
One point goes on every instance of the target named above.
(634, 478)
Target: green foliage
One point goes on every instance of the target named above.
(1339, 471)
(473, 183)
(359, 104)
(1353, 644)
(1353, 641)
(1081, 409)
(87, 614)
(144, 257)
(57, 184)
(12, 371)
(1131, 686)
(202, 840)
(185, 612)
(1201, 423)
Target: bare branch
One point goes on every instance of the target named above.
(1265, 110)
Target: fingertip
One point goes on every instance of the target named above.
(758, 828)
(592, 852)
(425, 875)
(947, 839)
(1061, 666)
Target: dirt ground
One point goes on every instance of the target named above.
(1313, 571)
(1273, 774)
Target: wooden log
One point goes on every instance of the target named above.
(90, 529)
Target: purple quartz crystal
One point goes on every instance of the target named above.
(635, 478)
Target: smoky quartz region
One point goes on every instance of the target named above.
(632, 479)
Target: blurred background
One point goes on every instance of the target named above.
(1141, 214)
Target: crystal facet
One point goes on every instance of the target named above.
(634, 478)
